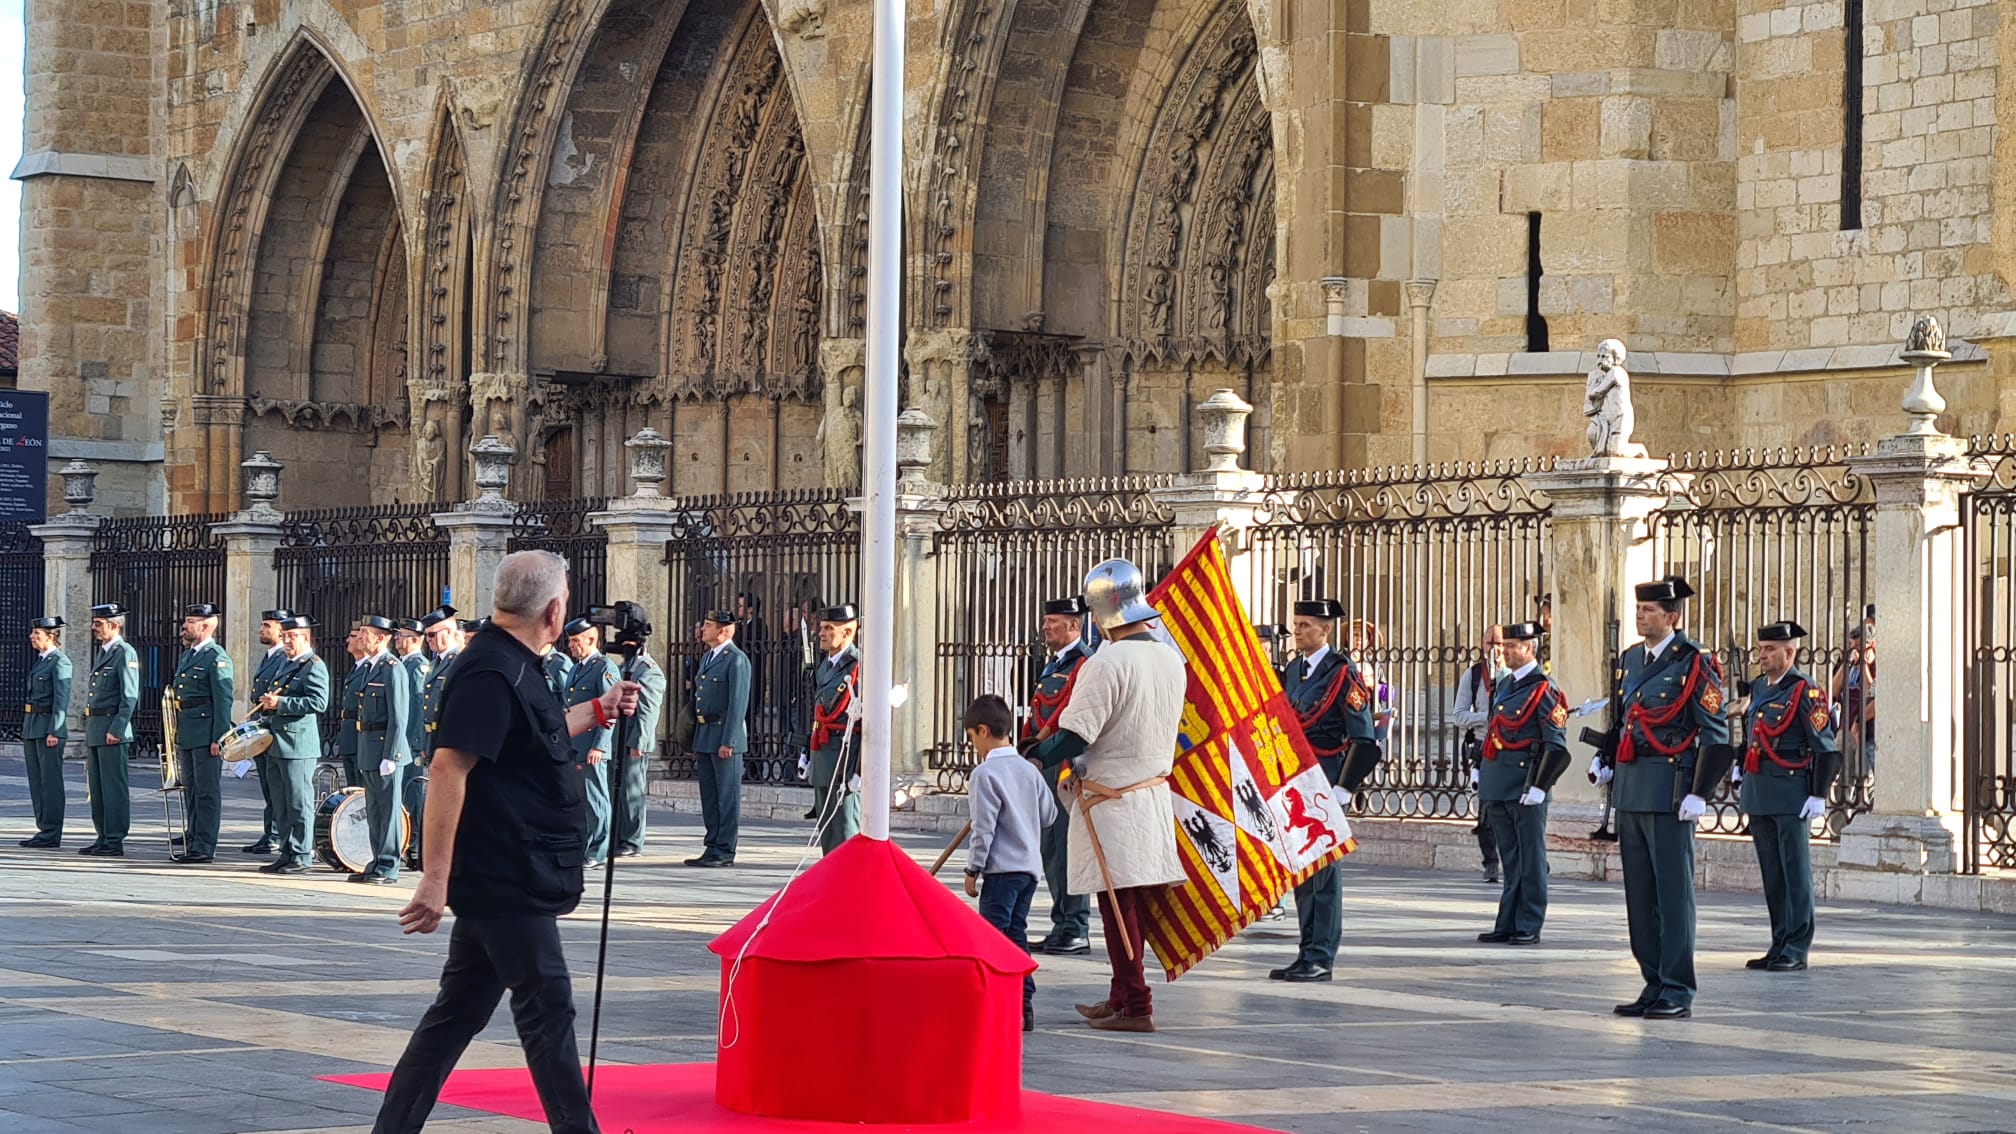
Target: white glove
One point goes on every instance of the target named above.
(1692, 807)
(1603, 774)
(804, 766)
(1474, 777)
(385, 767)
(1815, 807)
(1533, 797)
(854, 782)
(1735, 774)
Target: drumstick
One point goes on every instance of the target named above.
(952, 847)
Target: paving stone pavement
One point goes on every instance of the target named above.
(138, 997)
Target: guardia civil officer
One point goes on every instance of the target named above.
(444, 638)
(1525, 751)
(407, 646)
(1064, 638)
(1666, 756)
(836, 743)
(384, 749)
(1334, 705)
(108, 729)
(501, 757)
(559, 670)
(346, 700)
(630, 832)
(296, 696)
(45, 729)
(1790, 759)
(203, 691)
(721, 688)
(590, 675)
(270, 663)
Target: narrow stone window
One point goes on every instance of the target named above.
(1536, 324)
(1851, 115)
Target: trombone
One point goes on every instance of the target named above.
(174, 791)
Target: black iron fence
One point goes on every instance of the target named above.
(1423, 559)
(154, 566)
(1775, 535)
(1002, 551)
(775, 560)
(1987, 786)
(21, 592)
(562, 526)
(340, 564)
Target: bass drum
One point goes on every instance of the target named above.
(343, 832)
(416, 812)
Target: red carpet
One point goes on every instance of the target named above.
(679, 1097)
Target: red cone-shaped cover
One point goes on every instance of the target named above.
(874, 995)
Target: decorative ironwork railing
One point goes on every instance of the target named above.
(1987, 786)
(1003, 550)
(20, 591)
(1775, 535)
(154, 566)
(562, 527)
(774, 559)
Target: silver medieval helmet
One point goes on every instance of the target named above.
(1116, 593)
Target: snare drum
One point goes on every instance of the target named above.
(343, 832)
(245, 740)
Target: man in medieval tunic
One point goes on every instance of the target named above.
(1120, 726)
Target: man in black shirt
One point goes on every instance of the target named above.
(502, 758)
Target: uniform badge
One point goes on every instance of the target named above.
(1711, 699)
(1355, 698)
(1559, 716)
(1813, 694)
(1818, 719)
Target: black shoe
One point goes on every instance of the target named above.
(1065, 945)
(1786, 965)
(702, 860)
(1667, 1010)
(627, 853)
(1764, 962)
(369, 879)
(92, 848)
(1303, 972)
(360, 875)
(110, 851)
(1491, 875)
(1028, 1018)
(38, 843)
(260, 847)
(175, 840)
(190, 859)
(271, 868)
(1634, 1009)
(289, 868)
(1523, 939)
(717, 862)
(1495, 937)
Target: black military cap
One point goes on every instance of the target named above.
(201, 610)
(577, 626)
(1324, 608)
(842, 613)
(471, 625)
(280, 615)
(1522, 631)
(1672, 588)
(299, 622)
(1073, 606)
(51, 623)
(1781, 632)
(409, 625)
(1269, 631)
(438, 615)
(720, 617)
(108, 610)
(375, 622)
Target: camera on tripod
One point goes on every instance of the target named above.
(627, 625)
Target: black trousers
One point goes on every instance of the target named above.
(487, 954)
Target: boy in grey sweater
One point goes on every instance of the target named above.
(1009, 805)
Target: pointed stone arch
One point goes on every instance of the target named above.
(438, 381)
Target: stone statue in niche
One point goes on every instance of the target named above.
(1607, 404)
(432, 450)
(839, 440)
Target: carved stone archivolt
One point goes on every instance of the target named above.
(974, 47)
(330, 415)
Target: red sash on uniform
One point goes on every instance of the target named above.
(1044, 710)
(1763, 738)
(1636, 715)
(826, 722)
(1494, 740)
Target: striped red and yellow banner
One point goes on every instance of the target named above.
(1254, 813)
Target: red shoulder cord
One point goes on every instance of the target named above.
(1044, 710)
(1763, 737)
(1494, 738)
(825, 722)
(1627, 747)
(1347, 670)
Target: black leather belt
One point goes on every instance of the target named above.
(706, 720)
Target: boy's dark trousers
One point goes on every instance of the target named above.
(1004, 902)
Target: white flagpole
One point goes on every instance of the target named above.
(878, 437)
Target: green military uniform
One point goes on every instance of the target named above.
(1672, 728)
(1070, 914)
(202, 685)
(559, 671)
(1789, 762)
(423, 755)
(1525, 751)
(637, 771)
(274, 661)
(836, 749)
(587, 680)
(721, 689)
(303, 687)
(346, 722)
(418, 669)
(46, 717)
(108, 715)
(384, 709)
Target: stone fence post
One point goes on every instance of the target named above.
(1223, 494)
(638, 526)
(920, 506)
(479, 530)
(251, 584)
(66, 570)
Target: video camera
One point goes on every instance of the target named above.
(628, 626)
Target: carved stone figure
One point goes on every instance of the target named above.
(839, 440)
(432, 450)
(1607, 404)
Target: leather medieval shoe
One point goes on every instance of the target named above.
(1523, 938)
(1786, 965)
(1663, 1009)
(1495, 937)
(1119, 1023)
(1064, 945)
(260, 847)
(1305, 972)
(1634, 1009)
(1097, 1011)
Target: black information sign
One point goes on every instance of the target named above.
(24, 456)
